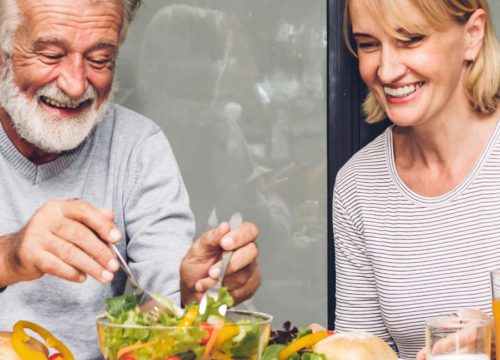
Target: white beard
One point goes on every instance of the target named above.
(48, 132)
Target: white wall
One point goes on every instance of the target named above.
(495, 9)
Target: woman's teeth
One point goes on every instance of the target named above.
(60, 105)
(402, 91)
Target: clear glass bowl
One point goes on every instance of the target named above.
(243, 336)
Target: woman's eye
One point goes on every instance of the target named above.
(413, 39)
(368, 45)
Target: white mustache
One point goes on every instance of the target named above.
(53, 92)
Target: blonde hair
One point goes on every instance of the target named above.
(482, 82)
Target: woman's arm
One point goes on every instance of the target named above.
(357, 304)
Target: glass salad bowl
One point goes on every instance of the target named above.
(237, 335)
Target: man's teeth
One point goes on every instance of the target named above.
(58, 104)
(402, 91)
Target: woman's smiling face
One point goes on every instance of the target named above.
(417, 79)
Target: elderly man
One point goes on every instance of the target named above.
(79, 173)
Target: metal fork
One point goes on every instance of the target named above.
(234, 222)
(148, 302)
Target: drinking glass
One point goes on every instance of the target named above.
(453, 337)
(495, 302)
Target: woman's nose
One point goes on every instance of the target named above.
(391, 66)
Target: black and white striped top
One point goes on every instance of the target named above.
(402, 257)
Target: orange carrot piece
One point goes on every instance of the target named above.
(213, 337)
(131, 348)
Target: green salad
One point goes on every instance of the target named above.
(125, 333)
(291, 343)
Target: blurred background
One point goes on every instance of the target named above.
(239, 88)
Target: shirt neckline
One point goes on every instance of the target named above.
(36, 174)
(445, 198)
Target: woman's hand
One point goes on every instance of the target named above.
(467, 336)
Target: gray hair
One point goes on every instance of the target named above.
(129, 9)
(10, 19)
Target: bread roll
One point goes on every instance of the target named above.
(7, 351)
(354, 346)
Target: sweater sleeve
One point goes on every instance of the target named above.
(357, 304)
(159, 222)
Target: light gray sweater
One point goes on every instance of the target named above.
(127, 165)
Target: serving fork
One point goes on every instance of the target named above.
(235, 221)
(148, 302)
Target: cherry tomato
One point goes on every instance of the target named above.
(208, 328)
(56, 356)
(172, 357)
(127, 357)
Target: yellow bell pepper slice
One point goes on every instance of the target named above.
(189, 317)
(301, 343)
(228, 331)
(220, 355)
(20, 337)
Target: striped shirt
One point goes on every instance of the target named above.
(402, 257)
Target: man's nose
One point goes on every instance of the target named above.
(391, 66)
(72, 78)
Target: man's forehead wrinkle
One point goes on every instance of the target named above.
(100, 21)
(41, 12)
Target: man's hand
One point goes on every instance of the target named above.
(200, 267)
(65, 238)
(467, 336)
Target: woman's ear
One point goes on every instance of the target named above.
(474, 35)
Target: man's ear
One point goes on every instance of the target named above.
(474, 35)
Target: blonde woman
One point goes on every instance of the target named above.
(417, 211)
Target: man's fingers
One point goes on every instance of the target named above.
(242, 236)
(51, 264)
(238, 279)
(248, 283)
(209, 242)
(110, 214)
(220, 236)
(73, 256)
(93, 218)
(203, 284)
(241, 284)
(81, 236)
(240, 259)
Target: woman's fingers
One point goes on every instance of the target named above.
(462, 341)
(421, 355)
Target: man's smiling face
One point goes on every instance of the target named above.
(59, 76)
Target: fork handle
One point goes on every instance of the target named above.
(226, 257)
(124, 266)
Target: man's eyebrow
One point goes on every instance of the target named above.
(105, 45)
(44, 42)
